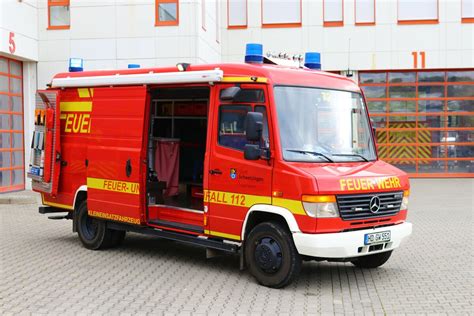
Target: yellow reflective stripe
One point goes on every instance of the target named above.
(113, 185)
(248, 200)
(92, 92)
(114, 217)
(245, 79)
(75, 106)
(294, 206)
(235, 199)
(64, 206)
(83, 93)
(223, 235)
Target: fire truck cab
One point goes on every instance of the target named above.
(275, 164)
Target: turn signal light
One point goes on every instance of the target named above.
(320, 206)
(318, 198)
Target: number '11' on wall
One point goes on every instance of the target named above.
(415, 59)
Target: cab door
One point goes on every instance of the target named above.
(234, 183)
(116, 156)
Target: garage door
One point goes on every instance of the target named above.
(424, 120)
(11, 126)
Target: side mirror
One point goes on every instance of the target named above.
(229, 94)
(252, 152)
(254, 126)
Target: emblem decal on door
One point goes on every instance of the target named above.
(233, 173)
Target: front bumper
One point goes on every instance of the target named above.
(348, 244)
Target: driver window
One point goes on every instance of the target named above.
(232, 126)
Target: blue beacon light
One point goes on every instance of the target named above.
(254, 53)
(312, 60)
(76, 65)
(133, 66)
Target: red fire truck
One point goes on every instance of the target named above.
(274, 164)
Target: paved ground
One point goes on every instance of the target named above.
(44, 270)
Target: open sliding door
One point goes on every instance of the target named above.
(116, 156)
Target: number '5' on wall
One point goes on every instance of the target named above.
(415, 59)
(11, 43)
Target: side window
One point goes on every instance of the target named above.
(231, 125)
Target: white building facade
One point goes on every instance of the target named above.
(414, 59)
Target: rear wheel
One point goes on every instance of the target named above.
(372, 261)
(94, 233)
(271, 255)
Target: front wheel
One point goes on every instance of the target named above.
(94, 233)
(271, 255)
(372, 261)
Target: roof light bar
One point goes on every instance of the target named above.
(76, 64)
(215, 75)
(312, 60)
(254, 53)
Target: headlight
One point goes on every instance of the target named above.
(320, 206)
(404, 205)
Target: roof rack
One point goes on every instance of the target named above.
(215, 75)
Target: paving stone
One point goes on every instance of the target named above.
(45, 270)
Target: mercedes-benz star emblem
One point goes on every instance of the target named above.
(374, 205)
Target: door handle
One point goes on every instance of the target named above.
(128, 168)
(215, 171)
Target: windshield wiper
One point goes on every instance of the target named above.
(314, 153)
(351, 155)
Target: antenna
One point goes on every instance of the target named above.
(349, 73)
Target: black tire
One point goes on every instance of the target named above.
(94, 233)
(372, 261)
(271, 255)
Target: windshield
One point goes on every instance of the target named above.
(320, 125)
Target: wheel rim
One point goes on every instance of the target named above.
(268, 255)
(89, 227)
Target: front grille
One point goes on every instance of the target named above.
(357, 206)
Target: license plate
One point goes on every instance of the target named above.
(374, 238)
(35, 171)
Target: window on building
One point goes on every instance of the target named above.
(11, 126)
(364, 12)
(166, 12)
(333, 12)
(467, 8)
(59, 16)
(424, 119)
(417, 12)
(281, 13)
(236, 14)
